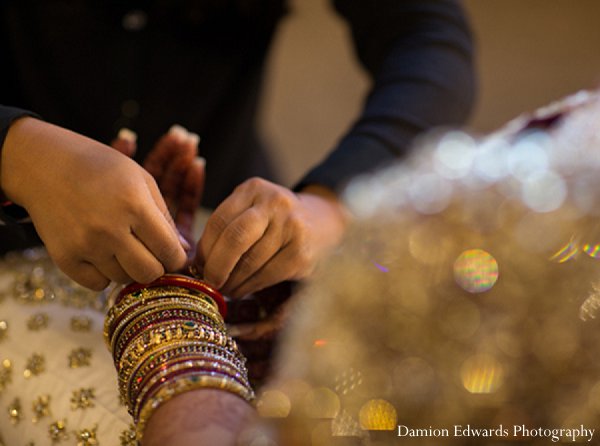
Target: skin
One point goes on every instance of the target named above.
(260, 235)
(179, 172)
(263, 234)
(200, 417)
(100, 215)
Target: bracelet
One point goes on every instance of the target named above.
(164, 336)
(184, 282)
(131, 365)
(185, 384)
(149, 323)
(166, 308)
(117, 314)
(152, 381)
(141, 297)
(168, 337)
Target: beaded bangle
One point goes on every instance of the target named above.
(131, 364)
(139, 380)
(152, 381)
(184, 384)
(142, 297)
(181, 281)
(160, 309)
(149, 323)
(112, 323)
(163, 336)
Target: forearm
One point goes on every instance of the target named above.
(201, 417)
(419, 56)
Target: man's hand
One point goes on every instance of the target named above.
(263, 234)
(100, 215)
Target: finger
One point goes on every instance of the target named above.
(254, 258)
(138, 262)
(254, 331)
(190, 196)
(233, 206)
(84, 273)
(265, 329)
(164, 151)
(235, 240)
(125, 142)
(282, 266)
(111, 269)
(156, 230)
(173, 177)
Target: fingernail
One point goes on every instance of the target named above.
(194, 139)
(184, 243)
(127, 134)
(179, 132)
(200, 161)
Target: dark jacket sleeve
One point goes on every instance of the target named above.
(419, 56)
(7, 116)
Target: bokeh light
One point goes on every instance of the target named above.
(476, 270)
(273, 404)
(567, 252)
(592, 250)
(544, 191)
(482, 373)
(378, 415)
(321, 402)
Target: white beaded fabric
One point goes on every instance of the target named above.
(57, 379)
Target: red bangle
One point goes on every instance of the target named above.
(179, 281)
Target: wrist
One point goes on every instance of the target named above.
(11, 169)
(329, 200)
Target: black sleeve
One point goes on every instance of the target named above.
(419, 56)
(7, 116)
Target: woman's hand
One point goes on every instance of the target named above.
(100, 215)
(263, 234)
(178, 170)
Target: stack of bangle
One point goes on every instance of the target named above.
(168, 337)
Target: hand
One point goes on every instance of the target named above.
(100, 215)
(179, 171)
(263, 234)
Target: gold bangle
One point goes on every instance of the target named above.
(166, 308)
(167, 333)
(131, 366)
(137, 392)
(134, 331)
(147, 296)
(184, 384)
(141, 296)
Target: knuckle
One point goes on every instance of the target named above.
(216, 223)
(253, 184)
(298, 227)
(284, 200)
(247, 263)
